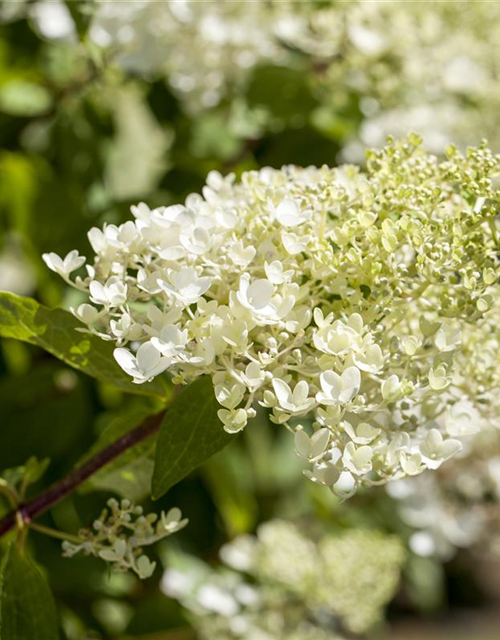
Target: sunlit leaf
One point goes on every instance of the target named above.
(55, 331)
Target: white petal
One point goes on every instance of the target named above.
(450, 448)
(98, 292)
(125, 359)
(331, 383)
(54, 262)
(282, 391)
(302, 443)
(300, 393)
(288, 213)
(351, 381)
(148, 357)
(345, 484)
(319, 442)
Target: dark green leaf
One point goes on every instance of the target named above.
(27, 608)
(55, 331)
(190, 434)
(46, 411)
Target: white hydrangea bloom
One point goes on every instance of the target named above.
(302, 587)
(394, 58)
(145, 365)
(64, 266)
(456, 508)
(358, 341)
(390, 57)
(201, 46)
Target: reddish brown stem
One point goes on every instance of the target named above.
(31, 509)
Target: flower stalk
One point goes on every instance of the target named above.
(25, 513)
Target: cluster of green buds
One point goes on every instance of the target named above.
(120, 533)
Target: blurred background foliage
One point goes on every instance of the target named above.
(89, 125)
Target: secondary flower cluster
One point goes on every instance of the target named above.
(202, 47)
(408, 76)
(283, 584)
(383, 66)
(391, 55)
(333, 297)
(120, 533)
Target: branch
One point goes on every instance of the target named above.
(31, 509)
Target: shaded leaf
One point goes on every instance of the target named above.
(25, 475)
(45, 411)
(27, 608)
(55, 331)
(190, 434)
(131, 479)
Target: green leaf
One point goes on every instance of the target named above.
(26, 474)
(35, 410)
(131, 479)
(34, 469)
(190, 434)
(27, 608)
(55, 331)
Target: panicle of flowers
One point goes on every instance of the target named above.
(283, 584)
(335, 298)
(120, 533)
(408, 76)
(202, 47)
(457, 508)
(391, 55)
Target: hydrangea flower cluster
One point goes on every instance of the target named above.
(202, 47)
(389, 59)
(408, 76)
(459, 506)
(120, 533)
(392, 55)
(282, 584)
(333, 297)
